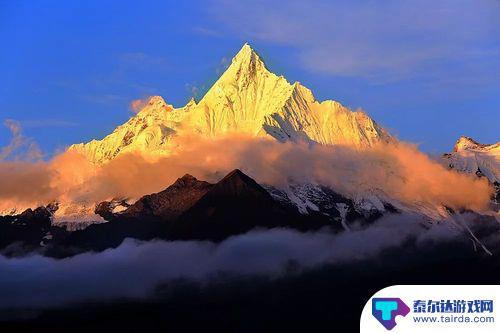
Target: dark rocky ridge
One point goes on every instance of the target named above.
(235, 205)
(170, 203)
(28, 228)
(189, 209)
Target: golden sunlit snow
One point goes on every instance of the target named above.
(246, 99)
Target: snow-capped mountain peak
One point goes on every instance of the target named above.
(465, 142)
(246, 99)
(247, 61)
(472, 157)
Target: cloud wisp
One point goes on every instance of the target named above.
(20, 146)
(138, 104)
(380, 41)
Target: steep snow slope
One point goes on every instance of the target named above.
(248, 99)
(318, 199)
(472, 157)
(150, 130)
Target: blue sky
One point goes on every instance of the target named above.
(429, 71)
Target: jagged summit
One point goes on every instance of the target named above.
(465, 142)
(470, 156)
(187, 176)
(185, 180)
(236, 173)
(171, 202)
(246, 99)
(190, 103)
(236, 182)
(157, 100)
(246, 49)
(247, 55)
(246, 64)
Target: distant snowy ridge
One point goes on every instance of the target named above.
(472, 157)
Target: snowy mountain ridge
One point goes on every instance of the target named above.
(472, 157)
(247, 99)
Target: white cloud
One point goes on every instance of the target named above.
(377, 40)
(20, 146)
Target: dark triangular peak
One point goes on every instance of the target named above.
(237, 174)
(238, 184)
(146, 219)
(234, 205)
(191, 209)
(187, 181)
(171, 202)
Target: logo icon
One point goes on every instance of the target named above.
(385, 310)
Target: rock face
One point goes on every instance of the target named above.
(28, 228)
(234, 205)
(150, 130)
(148, 218)
(247, 99)
(169, 203)
(190, 209)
